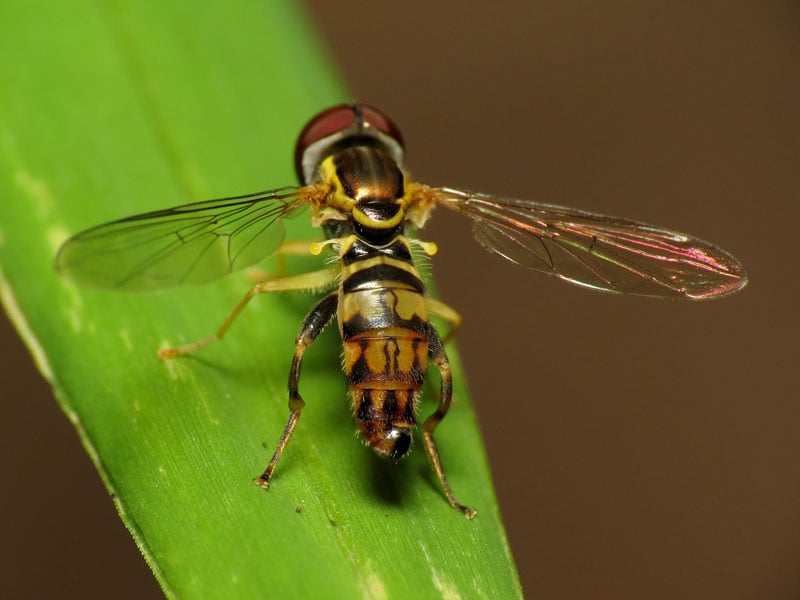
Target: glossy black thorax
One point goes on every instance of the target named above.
(373, 186)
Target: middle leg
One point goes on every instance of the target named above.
(307, 281)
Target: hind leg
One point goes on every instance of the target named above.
(439, 357)
(319, 317)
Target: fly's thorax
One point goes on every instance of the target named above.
(367, 190)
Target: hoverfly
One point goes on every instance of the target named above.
(349, 159)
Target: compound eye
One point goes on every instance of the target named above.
(339, 118)
(381, 122)
(326, 123)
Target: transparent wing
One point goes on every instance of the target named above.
(596, 251)
(189, 244)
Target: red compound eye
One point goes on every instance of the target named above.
(339, 118)
(381, 122)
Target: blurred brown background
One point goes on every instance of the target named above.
(641, 449)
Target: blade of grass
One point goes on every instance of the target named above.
(112, 108)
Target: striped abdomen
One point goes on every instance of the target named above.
(383, 320)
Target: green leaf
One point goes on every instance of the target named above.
(109, 109)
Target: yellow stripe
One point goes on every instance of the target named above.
(378, 260)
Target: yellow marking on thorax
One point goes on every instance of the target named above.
(346, 205)
(336, 197)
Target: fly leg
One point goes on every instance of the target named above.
(290, 248)
(446, 313)
(307, 281)
(439, 357)
(319, 317)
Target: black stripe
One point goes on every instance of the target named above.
(360, 324)
(380, 210)
(360, 371)
(377, 236)
(410, 415)
(389, 407)
(366, 411)
(358, 250)
(382, 272)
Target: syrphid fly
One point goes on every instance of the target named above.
(349, 159)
